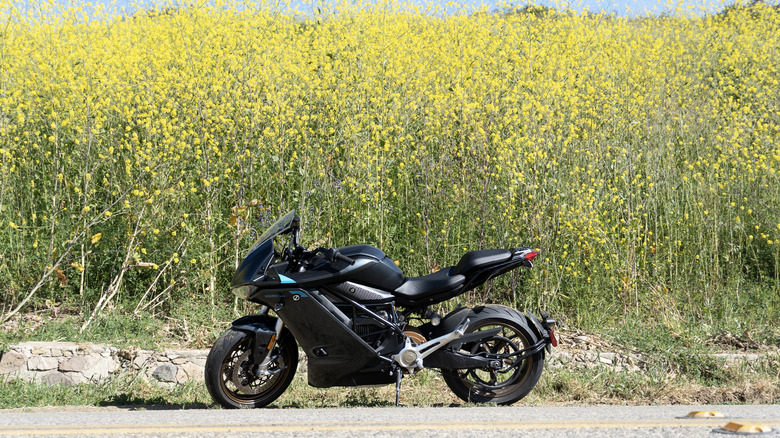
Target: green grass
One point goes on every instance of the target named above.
(123, 390)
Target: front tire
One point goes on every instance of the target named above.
(507, 385)
(235, 381)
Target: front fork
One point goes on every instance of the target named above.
(264, 329)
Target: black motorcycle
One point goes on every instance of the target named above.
(361, 322)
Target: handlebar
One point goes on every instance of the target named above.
(297, 254)
(332, 254)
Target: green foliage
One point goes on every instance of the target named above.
(140, 156)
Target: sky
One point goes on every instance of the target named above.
(628, 8)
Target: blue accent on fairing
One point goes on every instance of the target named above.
(301, 294)
(285, 280)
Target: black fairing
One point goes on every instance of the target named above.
(384, 274)
(371, 268)
(334, 351)
(254, 264)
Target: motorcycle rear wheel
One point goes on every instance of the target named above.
(235, 381)
(494, 386)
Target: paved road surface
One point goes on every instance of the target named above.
(482, 422)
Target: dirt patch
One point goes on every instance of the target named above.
(30, 322)
(727, 340)
(580, 340)
(577, 340)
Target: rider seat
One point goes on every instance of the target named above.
(474, 260)
(416, 288)
(448, 280)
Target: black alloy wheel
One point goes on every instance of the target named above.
(235, 381)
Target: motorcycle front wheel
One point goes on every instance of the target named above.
(514, 381)
(235, 381)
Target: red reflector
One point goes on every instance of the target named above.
(531, 255)
(553, 341)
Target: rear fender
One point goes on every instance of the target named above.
(457, 316)
(543, 328)
(448, 323)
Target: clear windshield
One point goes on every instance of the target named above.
(280, 226)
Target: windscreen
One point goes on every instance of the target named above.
(278, 227)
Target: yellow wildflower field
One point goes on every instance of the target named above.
(640, 155)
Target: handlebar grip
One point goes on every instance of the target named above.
(339, 256)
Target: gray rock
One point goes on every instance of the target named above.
(190, 354)
(12, 361)
(76, 363)
(58, 378)
(142, 360)
(199, 361)
(42, 363)
(43, 345)
(189, 371)
(608, 356)
(87, 348)
(165, 373)
(100, 369)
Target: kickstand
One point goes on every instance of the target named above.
(398, 375)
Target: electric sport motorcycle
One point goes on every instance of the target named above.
(361, 322)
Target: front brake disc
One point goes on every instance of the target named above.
(245, 380)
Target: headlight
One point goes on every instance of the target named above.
(244, 291)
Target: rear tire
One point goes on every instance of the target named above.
(234, 381)
(493, 386)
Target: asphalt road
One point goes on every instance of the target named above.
(482, 422)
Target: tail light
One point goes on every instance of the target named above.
(531, 255)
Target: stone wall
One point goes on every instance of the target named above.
(71, 363)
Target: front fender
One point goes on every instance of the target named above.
(262, 329)
(256, 324)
